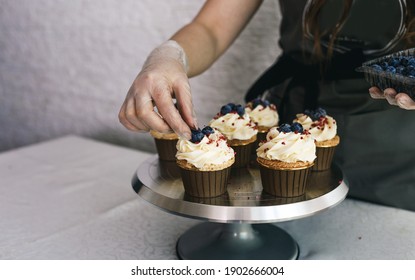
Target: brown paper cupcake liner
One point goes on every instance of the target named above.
(284, 183)
(242, 155)
(205, 183)
(261, 136)
(169, 169)
(166, 149)
(324, 158)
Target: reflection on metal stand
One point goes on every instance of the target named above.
(237, 222)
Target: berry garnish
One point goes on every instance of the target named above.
(319, 112)
(265, 103)
(284, 128)
(225, 109)
(232, 105)
(297, 127)
(207, 130)
(232, 108)
(197, 135)
(240, 110)
(316, 114)
(258, 101)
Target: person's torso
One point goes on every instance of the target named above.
(375, 26)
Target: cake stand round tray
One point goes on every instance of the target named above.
(237, 223)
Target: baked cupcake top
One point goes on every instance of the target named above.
(165, 136)
(207, 148)
(263, 113)
(288, 143)
(233, 122)
(320, 125)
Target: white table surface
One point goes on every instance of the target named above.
(71, 198)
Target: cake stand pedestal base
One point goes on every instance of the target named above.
(236, 241)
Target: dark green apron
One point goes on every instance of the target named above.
(377, 149)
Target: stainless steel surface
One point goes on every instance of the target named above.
(160, 184)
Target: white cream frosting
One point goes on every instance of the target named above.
(287, 147)
(234, 126)
(263, 116)
(323, 129)
(212, 150)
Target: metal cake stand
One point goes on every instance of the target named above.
(237, 223)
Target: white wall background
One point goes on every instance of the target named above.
(65, 66)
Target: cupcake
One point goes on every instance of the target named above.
(323, 128)
(264, 115)
(205, 162)
(165, 145)
(239, 130)
(285, 159)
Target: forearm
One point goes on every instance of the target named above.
(200, 47)
(213, 30)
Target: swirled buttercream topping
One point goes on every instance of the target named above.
(322, 129)
(235, 126)
(288, 146)
(263, 116)
(212, 149)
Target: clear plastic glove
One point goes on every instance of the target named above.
(162, 79)
(401, 99)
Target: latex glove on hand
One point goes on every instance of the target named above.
(401, 99)
(162, 78)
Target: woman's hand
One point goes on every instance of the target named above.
(398, 99)
(162, 79)
(164, 76)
